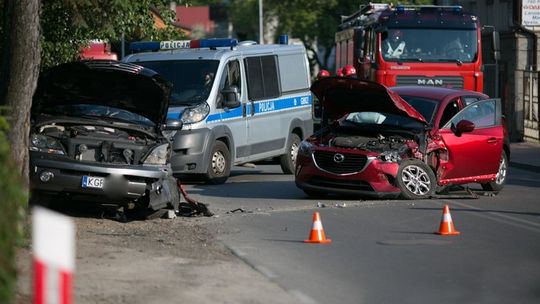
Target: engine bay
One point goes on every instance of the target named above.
(104, 144)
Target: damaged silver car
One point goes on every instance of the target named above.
(97, 134)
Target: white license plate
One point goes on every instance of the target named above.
(92, 182)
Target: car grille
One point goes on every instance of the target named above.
(437, 81)
(340, 184)
(351, 163)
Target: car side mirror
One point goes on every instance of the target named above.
(463, 126)
(231, 97)
(172, 124)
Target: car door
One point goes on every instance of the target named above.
(474, 156)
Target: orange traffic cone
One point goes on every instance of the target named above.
(447, 226)
(317, 231)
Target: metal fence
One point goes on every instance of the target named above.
(531, 129)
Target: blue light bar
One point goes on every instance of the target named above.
(400, 9)
(144, 46)
(214, 43)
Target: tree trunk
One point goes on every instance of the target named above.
(20, 70)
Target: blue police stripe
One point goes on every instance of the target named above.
(261, 107)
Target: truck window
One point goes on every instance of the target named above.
(262, 77)
(429, 45)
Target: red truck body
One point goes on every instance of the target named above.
(97, 50)
(439, 46)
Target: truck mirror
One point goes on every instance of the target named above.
(496, 44)
(231, 97)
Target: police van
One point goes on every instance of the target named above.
(239, 102)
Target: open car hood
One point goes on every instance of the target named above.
(339, 96)
(124, 86)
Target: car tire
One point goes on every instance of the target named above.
(416, 180)
(219, 164)
(288, 160)
(500, 180)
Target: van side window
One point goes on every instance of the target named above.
(231, 76)
(262, 76)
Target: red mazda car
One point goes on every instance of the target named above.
(408, 141)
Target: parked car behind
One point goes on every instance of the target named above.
(408, 141)
(96, 134)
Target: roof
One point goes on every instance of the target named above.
(438, 93)
(217, 54)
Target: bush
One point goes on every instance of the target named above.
(13, 200)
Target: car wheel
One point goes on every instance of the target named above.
(416, 180)
(500, 180)
(219, 165)
(288, 160)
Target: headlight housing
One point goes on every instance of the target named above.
(46, 144)
(306, 148)
(158, 156)
(195, 114)
(390, 156)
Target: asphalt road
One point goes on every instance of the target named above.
(383, 251)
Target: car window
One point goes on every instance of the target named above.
(450, 110)
(467, 100)
(424, 106)
(482, 114)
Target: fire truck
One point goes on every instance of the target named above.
(412, 45)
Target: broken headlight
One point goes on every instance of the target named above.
(195, 114)
(158, 156)
(306, 148)
(390, 156)
(46, 144)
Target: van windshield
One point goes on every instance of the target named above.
(192, 79)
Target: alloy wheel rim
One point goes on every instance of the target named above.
(501, 174)
(416, 180)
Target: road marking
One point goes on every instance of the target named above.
(302, 297)
(503, 218)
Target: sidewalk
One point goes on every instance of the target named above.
(525, 156)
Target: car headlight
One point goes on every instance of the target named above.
(390, 156)
(46, 144)
(195, 114)
(306, 148)
(158, 156)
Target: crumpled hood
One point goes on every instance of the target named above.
(109, 83)
(339, 96)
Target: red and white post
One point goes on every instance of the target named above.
(53, 237)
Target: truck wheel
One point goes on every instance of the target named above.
(500, 180)
(416, 180)
(219, 164)
(288, 160)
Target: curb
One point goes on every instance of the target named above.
(526, 167)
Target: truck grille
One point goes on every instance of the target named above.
(351, 163)
(437, 81)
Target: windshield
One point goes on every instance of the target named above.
(97, 112)
(382, 120)
(429, 45)
(192, 79)
(424, 106)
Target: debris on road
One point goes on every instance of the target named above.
(239, 210)
(193, 207)
(321, 205)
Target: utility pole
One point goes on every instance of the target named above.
(261, 36)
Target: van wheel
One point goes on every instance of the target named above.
(416, 180)
(500, 180)
(219, 164)
(288, 160)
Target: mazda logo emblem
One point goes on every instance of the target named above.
(339, 158)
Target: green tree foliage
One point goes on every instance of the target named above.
(13, 196)
(69, 24)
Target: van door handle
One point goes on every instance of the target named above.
(252, 108)
(244, 109)
(492, 140)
